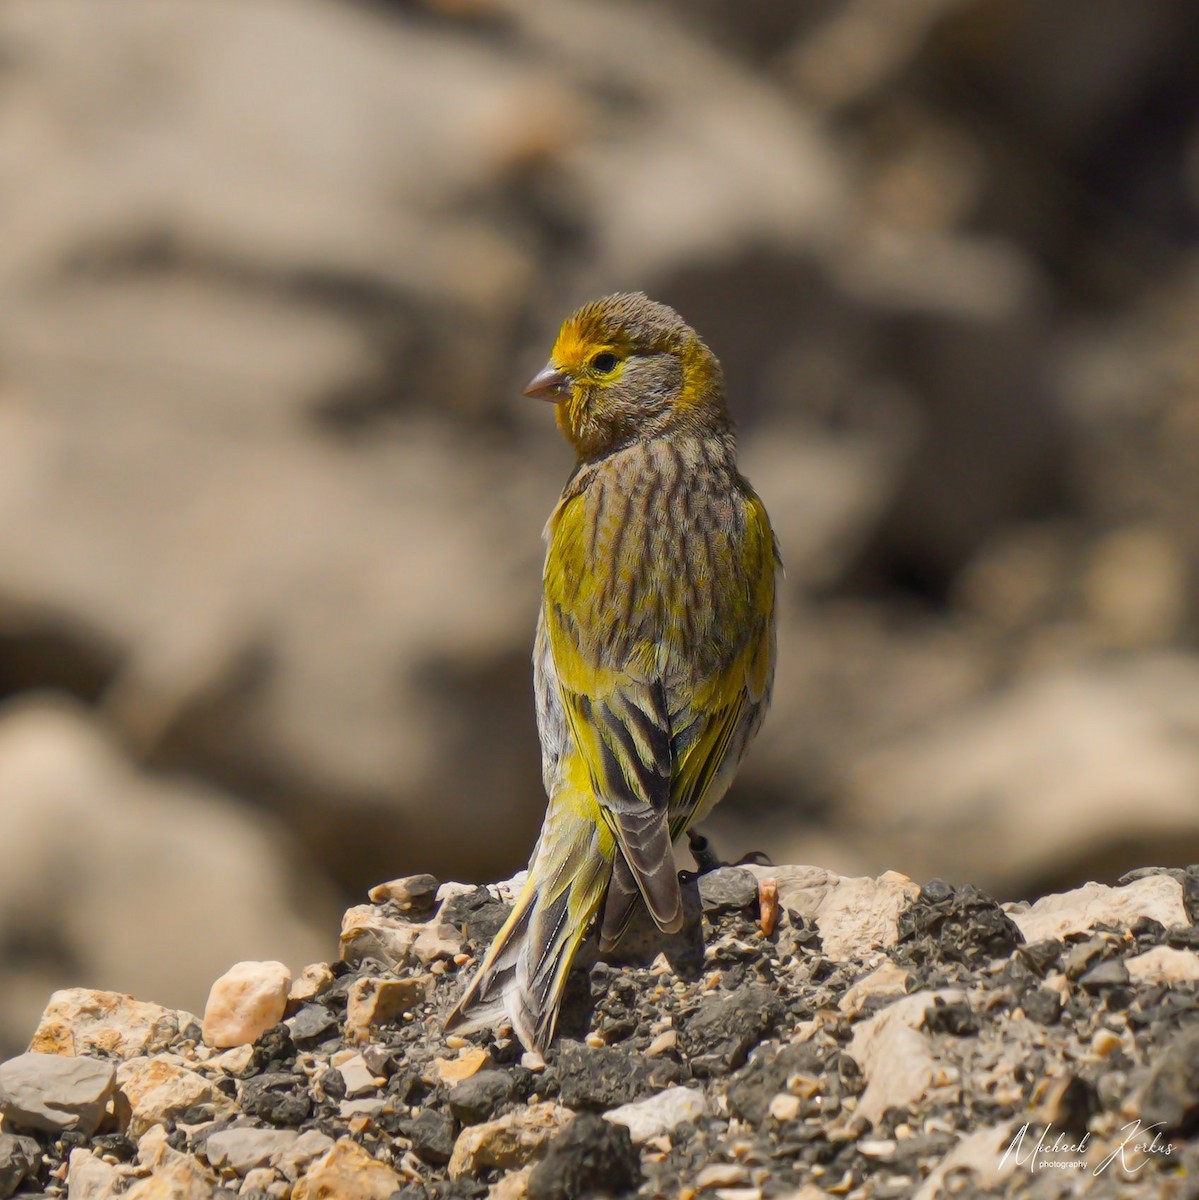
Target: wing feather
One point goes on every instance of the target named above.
(659, 735)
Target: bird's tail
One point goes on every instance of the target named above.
(524, 972)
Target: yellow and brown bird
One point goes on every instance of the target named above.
(655, 646)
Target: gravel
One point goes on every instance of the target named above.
(772, 1067)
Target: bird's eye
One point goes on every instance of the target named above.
(603, 363)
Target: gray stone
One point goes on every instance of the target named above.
(311, 1022)
(727, 889)
(1112, 973)
(724, 1029)
(243, 1147)
(20, 1159)
(52, 1093)
(479, 1098)
(590, 1157)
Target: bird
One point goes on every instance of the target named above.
(654, 653)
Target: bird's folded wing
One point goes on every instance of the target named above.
(620, 729)
(615, 711)
(713, 719)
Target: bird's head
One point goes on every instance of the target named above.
(626, 368)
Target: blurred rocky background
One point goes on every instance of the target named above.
(271, 277)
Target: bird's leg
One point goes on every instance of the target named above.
(706, 858)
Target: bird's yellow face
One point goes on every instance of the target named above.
(625, 369)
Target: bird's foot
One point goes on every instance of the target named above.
(706, 858)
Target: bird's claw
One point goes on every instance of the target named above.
(706, 858)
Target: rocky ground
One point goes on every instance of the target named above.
(831, 1036)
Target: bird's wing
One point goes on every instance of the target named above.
(713, 714)
(616, 714)
(714, 718)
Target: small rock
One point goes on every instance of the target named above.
(368, 932)
(331, 1085)
(379, 1061)
(668, 1039)
(310, 1145)
(154, 1090)
(721, 1034)
(53, 1093)
(436, 942)
(432, 1136)
(154, 1149)
(511, 1141)
(83, 1021)
(957, 1019)
(659, 1114)
(1163, 964)
(965, 926)
(363, 1107)
(716, 1175)
(784, 1107)
(20, 1159)
(478, 914)
(235, 1062)
(183, 1180)
(1080, 957)
(347, 1172)
(245, 1002)
(359, 1079)
(478, 1098)
(413, 894)
(375, 1001)
(277, 1098)
(314, 980)
(1171, 1093)
(598, 1078)
(243, 1147)
(936, 891)
(468, 1063)
(590, 1157)
(311, 1022)
(1041, 956)
(1043, 1005)
(1081, 910)
(174, 1176)
(513, 1186)
(1111, 973)
(256, 1183)
(727, 889)
(886, 980)
(90, 1177)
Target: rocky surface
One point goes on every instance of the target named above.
(863, 1038)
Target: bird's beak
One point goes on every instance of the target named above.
(548, 384)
